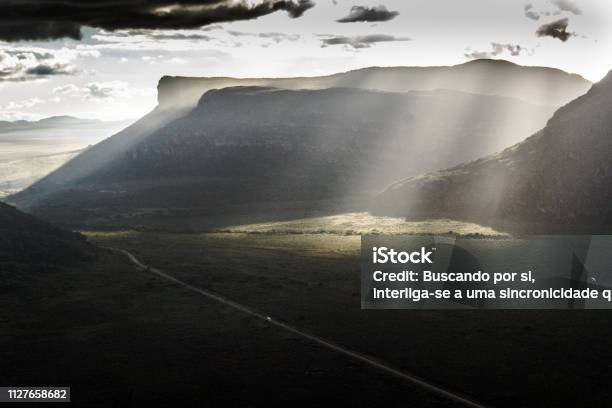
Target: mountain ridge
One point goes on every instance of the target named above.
(54, 121)
(179, 98)
(557, 180)
(263, 143)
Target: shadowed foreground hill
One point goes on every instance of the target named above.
(559, 179)
(251, 144)
(26, 240)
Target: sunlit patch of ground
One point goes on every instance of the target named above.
(175, 244)
(358, 223)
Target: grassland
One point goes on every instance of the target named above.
(120, 337)
(358, 223)
(123, 337)
(503, 358)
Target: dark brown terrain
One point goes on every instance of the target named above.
(75, 313)
(124, 337)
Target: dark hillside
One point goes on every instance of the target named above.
(560, 179)
(26, 240)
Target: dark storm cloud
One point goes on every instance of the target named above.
(26, 65)
(296, 10)
(20, 73)
(363, 41)
(496, 49)
(556, 29)
(567, 5)
(529, 13)
(54, 19)
(48, 70)
(368, 14)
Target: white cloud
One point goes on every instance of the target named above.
(24, 104)
(102, 90)
(567, 5)
(18, 115)
(105, 90)
(69, 89)
(110, 90)
(30, 63)
(13, 110)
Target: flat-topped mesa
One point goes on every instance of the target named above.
(400, 105)
(245, 146)
(179, 92)
(539, 85)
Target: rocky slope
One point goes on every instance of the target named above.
(558, 180)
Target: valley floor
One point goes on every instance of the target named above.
(121, 336)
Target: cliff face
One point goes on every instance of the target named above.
(354, 129)
(558, 180)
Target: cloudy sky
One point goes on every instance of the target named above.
(102, 59)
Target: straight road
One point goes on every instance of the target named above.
(364, 359)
